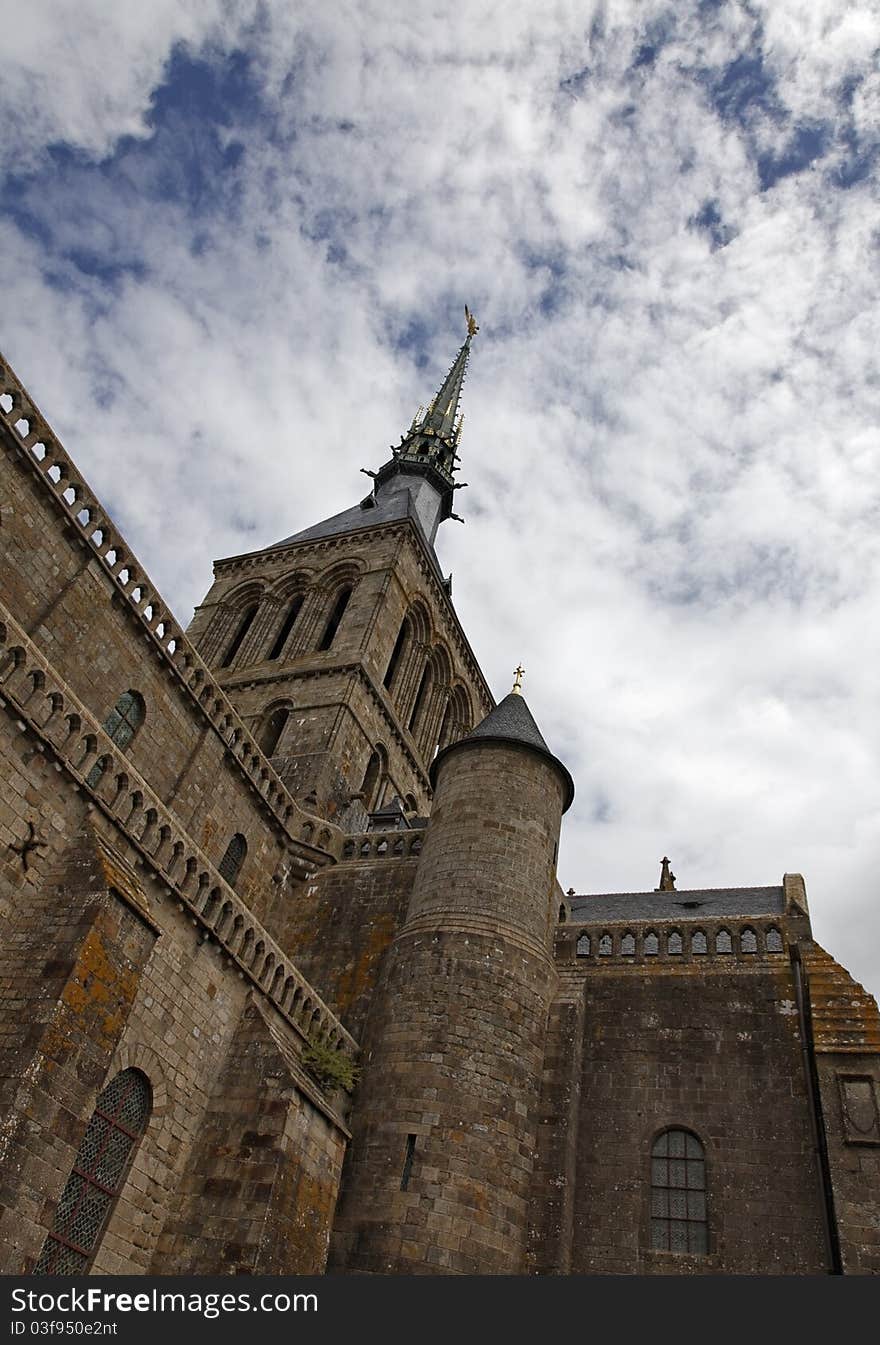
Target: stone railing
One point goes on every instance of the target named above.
(64, 728)
(742, 939)
(383, 845)
(52, 465)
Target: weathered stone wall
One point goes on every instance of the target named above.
(342, 926)
(122, 944)
(260, 1189)
(713, 1047)
(439, 1171)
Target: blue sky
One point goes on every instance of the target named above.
(237, 243)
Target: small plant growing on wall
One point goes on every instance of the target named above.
(329, 1068)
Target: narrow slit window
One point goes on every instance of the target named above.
(408, 1161)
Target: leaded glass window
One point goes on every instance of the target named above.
(678, 1194)
(698, 942)
(230, 864)
(652, 945)
(118, 1122)
(723, 942)
(749, 941)
(605, 945)
(125, 718)
(628, 945)
(582, 948)
(674, 944)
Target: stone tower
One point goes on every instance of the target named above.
(445, 1133)
(339, 645)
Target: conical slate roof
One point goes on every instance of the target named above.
(512, 722)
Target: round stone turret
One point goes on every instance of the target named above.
(439, 1173)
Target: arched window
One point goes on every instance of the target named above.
(698, 942)
(125, 718)
(230, 864)
(372, 781)
(335, 618)
(273, 727)
(605, 945)
(748, 941)
(421, 698)
(286, 627)
(722, 942)
(243, 627)
(773, 942)
(628, 945)
(678, 1194)
(121, 725)
(652, 945)
(582, 948)
(394, 661)
(99, 1170)
(674, 944)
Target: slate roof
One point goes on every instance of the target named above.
(391, 509)
(706, 903)
(511, 721)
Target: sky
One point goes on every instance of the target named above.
(237, 240)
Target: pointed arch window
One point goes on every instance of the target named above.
(335, 618)
(286, 627)
(678, 1194)
(582, 947)
(230, 864)
(244, 626)
(273, 727)
(99, 1171)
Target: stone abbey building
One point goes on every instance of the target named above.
(288, 982)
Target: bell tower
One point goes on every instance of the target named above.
(340, 646)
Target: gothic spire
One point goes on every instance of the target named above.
(429, 447)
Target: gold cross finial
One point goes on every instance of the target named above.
(472, 327)
(517, 679)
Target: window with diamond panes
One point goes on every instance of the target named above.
(230, 865)
(678, 1194)
(121, 725)
(118, 1122)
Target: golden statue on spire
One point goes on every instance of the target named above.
(471, 322)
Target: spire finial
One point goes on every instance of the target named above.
(517, 680)
(667, 877)
(472, 327)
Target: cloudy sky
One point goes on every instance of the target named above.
(236, 242)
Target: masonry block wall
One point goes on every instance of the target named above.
(124, 947)
(720, 1055)
(438, 1177)
(342, 926)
